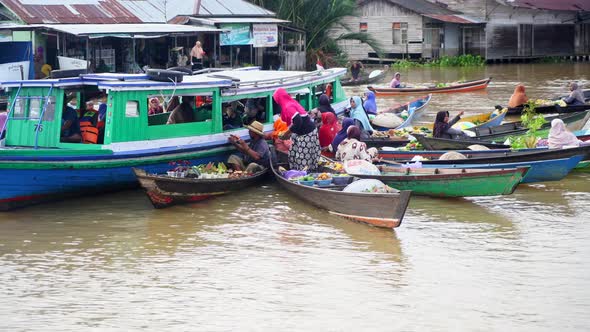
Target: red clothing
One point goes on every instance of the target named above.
(328, 130)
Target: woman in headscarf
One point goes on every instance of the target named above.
(305, 149)
(443, 127)
(352, 148)
(328, 132)
(518, 98)
(155, 107)
(324, 104)
(357, 112)
(559, 136)
(370, 104)
(341, 135)
(396, 82)
(576, 96)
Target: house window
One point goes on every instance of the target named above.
(132, 109)
(363, 27)
(399, 32)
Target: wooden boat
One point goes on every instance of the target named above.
(503, 131)
(415, 109)
(372, 77)
(551, 109)
(433, 143)
(485, 120)
(585, 92)
(465, 86)
(378, 209)
(37, 167)
(406, 155)
(539, 171)
(441, 182)
(164, 191)
(380, 142)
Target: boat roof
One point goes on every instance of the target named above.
(244, 80)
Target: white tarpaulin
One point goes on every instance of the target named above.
(265, 35)
(71, 63)
(14, 71)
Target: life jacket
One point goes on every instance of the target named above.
(90, 116)
(89, 132)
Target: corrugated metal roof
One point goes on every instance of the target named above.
(459, 19)
(131, 29)
(246, 20)
(421, 7)
(569, 5)
(231, 8)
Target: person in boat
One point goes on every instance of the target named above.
(355, 70)
(70, 126)
(559, 136)
(357, 112)
(89, 114)
(341, 135)
(172, 104)
(197, 55)
(155, 107)
(443, 127)
(328, 131)
(396, 82)
(279, 127)
(231, 116)
(305, 149)
(576, 96)
(352, 148)
(183, 113)
(254, 110)
(518, 98)
(255, 156)
(325, 105)
(370, 103)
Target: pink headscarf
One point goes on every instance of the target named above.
(289, 107)
(559, 136)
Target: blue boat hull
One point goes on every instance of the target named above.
(539, 171)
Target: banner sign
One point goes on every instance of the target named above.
(265, 35)
(235, 34)
(14, 71)
(71, 63)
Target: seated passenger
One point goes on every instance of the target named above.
(576, 96)
(255, 155)
(396, 82)
(254, 110)
(183, 113)
(442, 126)
(172, 104)
(89, 114)
(559, 136)
(231, 116)
(518, 98)
(70, 127)
(352, 148)
(155, 107)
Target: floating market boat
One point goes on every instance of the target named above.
(36, 166)
(549, 109)
(164, 190)
(442, 182)
(434, 143)
(377, 209)
(415, 109)
(484, 120)
(539, 171)
(465, 86)
(373, 76)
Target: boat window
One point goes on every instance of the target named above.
(49, 113)
(132, 109)
(172, 110)
(233, 114)
(34, 108)
(19, 108)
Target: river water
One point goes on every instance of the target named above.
(262, 260)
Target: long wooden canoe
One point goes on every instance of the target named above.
(440, 182)
(485, 120)
(551, 109)
(540, 171)
(415, 110)
(381, 210)
(164, 191)
(380, 142)
(465, 86)
(433, 143)
(372, 77)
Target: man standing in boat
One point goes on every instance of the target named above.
(254, 155)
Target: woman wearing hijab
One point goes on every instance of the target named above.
(357, 112)
(518, 98)
(305, 148)
(341, 135)
(370, 104)
(559, 136)
(352, 148)
(443, 127)
(576, 96)
(328, 132)
(155, 107)
(324, 104)
(396, 82)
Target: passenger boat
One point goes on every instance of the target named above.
(539, 171)
(465, 86)
(434, 143)
(415, 109)
(372, 77)
(377, 209)
(442, 182)
(164, 190)
(36, 166)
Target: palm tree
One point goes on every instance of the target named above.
(317, 18)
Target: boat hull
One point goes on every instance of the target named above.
(463, 87)
(432, 143)
(551, 109)
(364, 80)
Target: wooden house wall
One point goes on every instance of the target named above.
(582, 39)
(379, 16)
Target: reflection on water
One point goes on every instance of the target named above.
(263, 260)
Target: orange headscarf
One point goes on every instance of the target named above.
(518, 97)
(279, 127)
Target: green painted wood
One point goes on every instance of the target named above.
(583, 166)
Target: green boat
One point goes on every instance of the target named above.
(451, 182)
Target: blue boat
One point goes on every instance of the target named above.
(415, 110)
(540, 171)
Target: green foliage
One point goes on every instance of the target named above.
(444, 61)
(533, 122)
